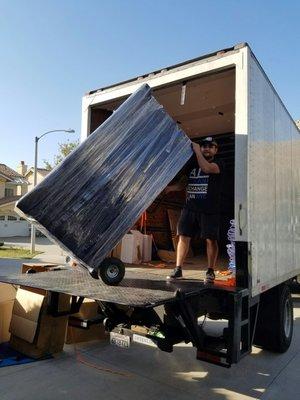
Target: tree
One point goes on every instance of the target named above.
(64, 149)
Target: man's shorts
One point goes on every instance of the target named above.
(192, 223)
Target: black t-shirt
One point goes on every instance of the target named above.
(203, 191)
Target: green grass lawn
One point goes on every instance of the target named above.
(16, 252)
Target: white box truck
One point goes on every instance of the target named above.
(228, 95)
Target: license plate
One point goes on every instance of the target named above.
(120, 340)
(143, 340)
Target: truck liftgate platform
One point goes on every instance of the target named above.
(131, 312)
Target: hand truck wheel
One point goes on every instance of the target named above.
(111, 271)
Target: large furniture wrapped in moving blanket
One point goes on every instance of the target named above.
(97, 193)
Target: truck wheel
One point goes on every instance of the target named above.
(274, 329)
(111, 271)
(295, 284)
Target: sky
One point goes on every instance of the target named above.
(54, 51)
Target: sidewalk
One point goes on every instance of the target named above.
(51, 253)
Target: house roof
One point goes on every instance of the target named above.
(42, 171)
(9, 173)
(6, 200)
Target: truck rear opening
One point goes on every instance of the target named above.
(202, 106)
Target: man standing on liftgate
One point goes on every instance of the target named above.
(202, 206)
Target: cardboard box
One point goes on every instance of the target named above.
(7, 298)
(25, 316)
(116, 252)
(37, 267)
(136, 247)
(132, 246)
(33, 331)
(88, 310)
(147, 248)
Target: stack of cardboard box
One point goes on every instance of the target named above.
(33, 331)
(7, 298)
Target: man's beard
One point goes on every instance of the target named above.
(208, 158)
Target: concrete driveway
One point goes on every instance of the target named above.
(52, 253)
(99, 371)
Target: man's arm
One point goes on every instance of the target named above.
(207, 167)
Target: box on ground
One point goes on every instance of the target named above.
(7, 298)
(33, 331)
(25, 315)
(88, 310)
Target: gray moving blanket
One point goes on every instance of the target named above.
(89, 201)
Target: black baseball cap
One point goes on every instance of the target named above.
(208, 140)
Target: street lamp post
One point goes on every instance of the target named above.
(35, 174)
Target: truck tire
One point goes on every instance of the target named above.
(111, 271)
(274, 328)
(295, 284)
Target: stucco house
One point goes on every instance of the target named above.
(29, 175)
(13, 185)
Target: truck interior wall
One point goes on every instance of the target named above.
(98, 116)
(208, 109)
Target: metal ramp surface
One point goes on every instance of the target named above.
(138, 288)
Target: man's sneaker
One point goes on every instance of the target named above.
(177, 273)
(209, 276)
